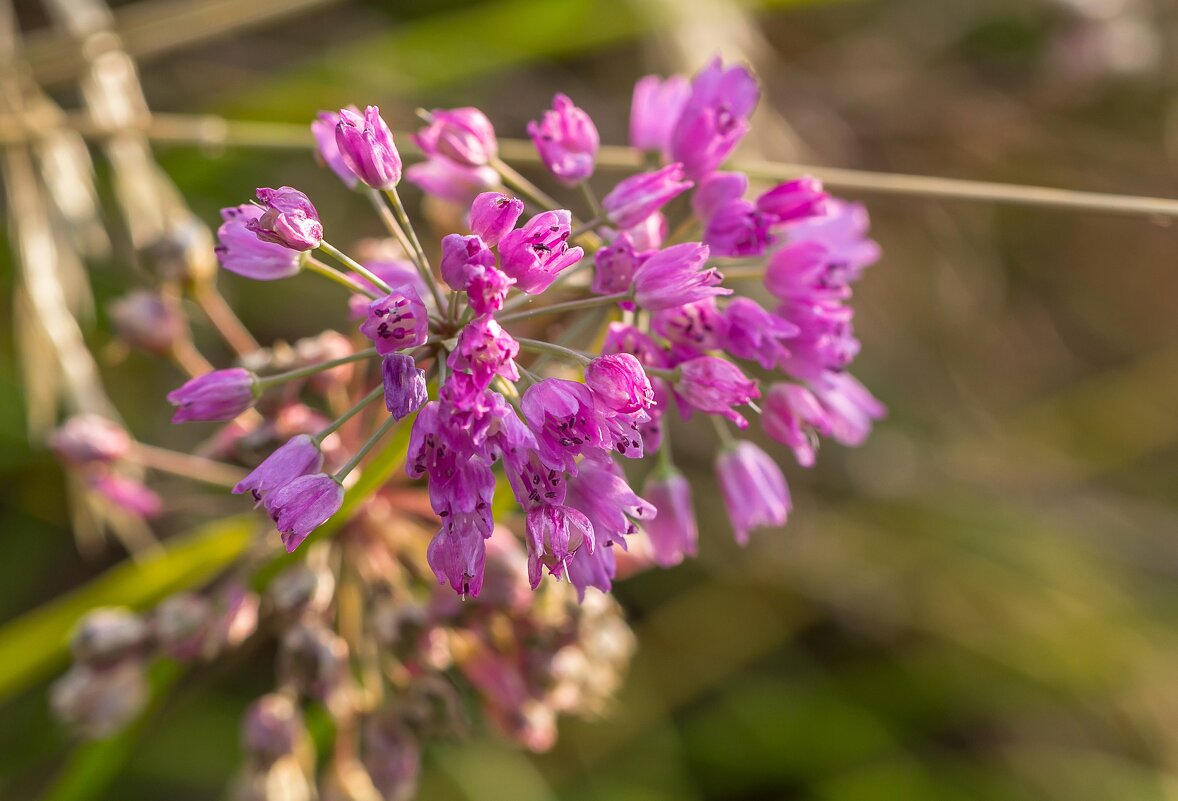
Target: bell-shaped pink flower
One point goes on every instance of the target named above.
(673, 532)
(303, 505)
(404, 385)
(676, 275)
(567, 141)
(219, 395)
(714, 119)
(539, 251)
(619, 383)
(554, 534)
(463, 135)
(460, 255)
(754, 334)
(241, 251)
(850, 407)
(458, 556)
(654, 110)
(366, 146)
(794, 417)
(298, 456)
(754, 489)
(398, 321)
(288, 219)
(794, 200)
(639, 196)
(493, 214)
(713, 386)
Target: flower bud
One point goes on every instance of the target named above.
(673, 531)
(713, 386)
(460, 254)
(87, 439)
(100, 701)
(493, 214)
(676, 275)
(639, 196)
(463, 135)
(288, 219)
(754, 489)
(794, 200)
(327, 149)
(108, 635)
(241, 251)
(148, 321)
(314, 659)
(303, 505)
(404, 385)
(298, 456)
(619, 382)
(181, 623)
(366, 146)
(301, 589)
(272, 727)
(219, 395)
(567, 141)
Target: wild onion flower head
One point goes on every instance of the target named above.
(287, 219)
(636, 198)
(754, 489)
(219, 395)
(366, 146)
(242, 251)
(463, 135)
(298, 456)
(567, 141)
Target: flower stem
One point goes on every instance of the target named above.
(314, 265)
(390, 222)
(354, 266)
(418, 252)
(594, 204)
(587, 227)
(265, 382)
(365, 448)
(726, 438)
(228, 325)
(572, 305)
(520, 184)
(183, 464)
(556, 350)
(349, 414)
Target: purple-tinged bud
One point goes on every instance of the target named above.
(461, 253)
(655, 109)
(87, 439)
(754, 489)
(694, 327)
(457, 554)
(715, 117)
(241, 251)
(451, 182)
(673, 531)
(303, 505)
(366, 146)
(313, 659)
(128, 494)
(618, 382)
(404, 385)
(639, 196)
(272, 728)
(327, 149)
(567, 141)
(298, 456)
(182, 624)
(554, 534)
(794, 200)
(493, 214)
(485, 349)
(794, 417)
(716, 190)
(288, 219)
(219, 395)
(675, 276)
(108, 635)
(713, 386)
(536, 253)
(755, 334)
(463, 135)
(398, 321)
(147, 320)
(100, 702)
(738, 229)
(614, 267)
(850, 407)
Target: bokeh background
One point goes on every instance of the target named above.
(979, 603)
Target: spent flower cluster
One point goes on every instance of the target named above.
(526, 371)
